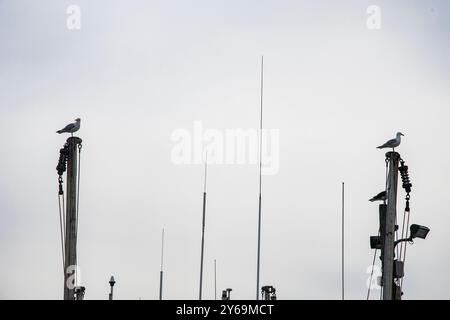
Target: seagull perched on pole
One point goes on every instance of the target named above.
(71, 128)
(379, 197)
(393, 143)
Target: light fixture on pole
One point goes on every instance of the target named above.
(415, 231)
(112, 282)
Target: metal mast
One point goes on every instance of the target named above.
(203, 231)
(161, 272)
(71, 220)
(260, 165)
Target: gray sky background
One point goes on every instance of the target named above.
(138, 70)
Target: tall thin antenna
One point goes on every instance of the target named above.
(161, 272)
(260, 165)
(215, 280)
(206, 172)
(203, 230)
(342, 267)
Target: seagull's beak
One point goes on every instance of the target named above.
(401, 134)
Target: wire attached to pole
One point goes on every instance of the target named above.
(371, 275)
(61, 232)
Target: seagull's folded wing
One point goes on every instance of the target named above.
(69, 127)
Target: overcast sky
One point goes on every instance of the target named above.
(137, 71)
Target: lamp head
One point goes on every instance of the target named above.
(418, 231)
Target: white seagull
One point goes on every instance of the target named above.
(71, 128)
(393, 143)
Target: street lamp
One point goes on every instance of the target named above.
(112, 282)
(415, 231)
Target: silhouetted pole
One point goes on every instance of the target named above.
(215, 280)
(343, 229)
(260, 182)
(203, 232)
(71, 219)
(161, 272)
(389, 229)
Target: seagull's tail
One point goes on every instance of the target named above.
(59, 131)
(380, 147)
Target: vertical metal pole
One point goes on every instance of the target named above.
(203, 232)
(71, 221)
(382, 209)
(389, 234)
(215, 280)
(260, 182)
(161, 272)
(203, 246)
(160, 284)
(342, 270)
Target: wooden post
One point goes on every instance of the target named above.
(389, 230)
(71, 220)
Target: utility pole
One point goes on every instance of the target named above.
(71, 220)
(392, 266)
(388, 232)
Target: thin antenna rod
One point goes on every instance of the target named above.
(162, 249)
(161, 272)
(260, 165)
(203, 230)
(206, 171)
(342, 270)
(215, 280)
